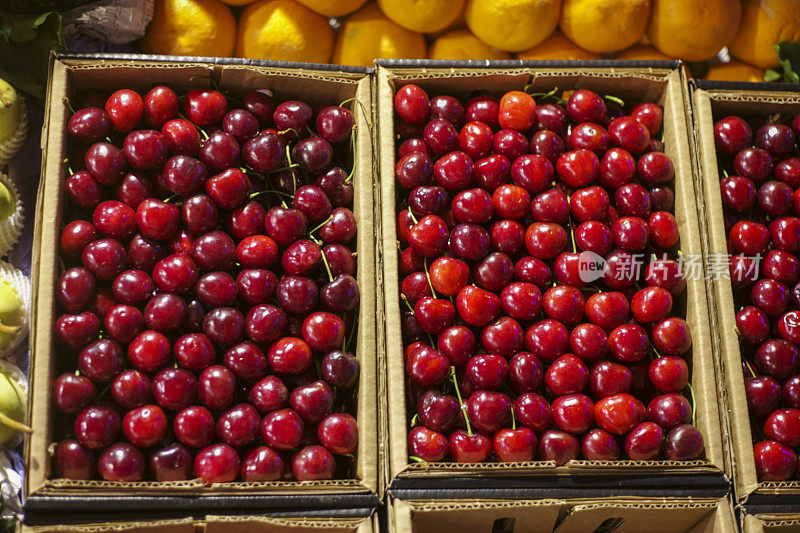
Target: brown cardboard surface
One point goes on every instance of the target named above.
(445, 516)
(633, 85)
(316, 87)
(221, 524)
(770, 523)
(185, 525)
(705, 105)
(629, 515)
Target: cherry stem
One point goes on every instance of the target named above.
(408, 304)
(13, 424)
(349, 339)
(428, 276)
(414, 420)
(327, 266)
(281, 169)
(363, 109)
(8, 329)
(411, 214)
(294, 177)
(69, 168)
(170, 199)
(750, 369)
(269, 191)
(69, 105)
(416, 459)
(513, 419)
(615, 99)
(353, 151)
(691, 395)
(321, 224)
(460, 400)
(656, 352)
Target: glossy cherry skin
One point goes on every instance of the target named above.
(313, 463)
(672, 336)
(515, 445)
(338, 433)
(131, 389)
(487, 371)
(218, 463)
(683, 443)
(568, 374)
(651, 304)
(778, 358)
(262, 464)
(607, 378)
(145, 426)
(644, 442)
(599, 445)
(412, 104)
(547, 339)
(669, 374)
(101, 361)
(427, 367)
(585, 106)
(71, 393)
(465, 448)
(573, 413)
(149, 351)
(783, 426)
(477, 306)
(533, 411)
(558, 446)
(731, 135)
(289, 355)
(619, 413)
(669, 410)
(73, 461)
(763, 394)
(239, 426)
(774, 461)
(426, 444)
(216, 387)
(97, 427)
(121, 462)
(282, 429)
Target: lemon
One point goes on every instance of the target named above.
(190, 27)
(693, 30)
(367, 34)
(237, 2)
(604, 25)
(765, 23)
(424, 16)
(461, 44)
(735, 71)
(283, 30)
(557, 47)
(512, 25)
(333, 8)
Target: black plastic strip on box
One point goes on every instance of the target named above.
(711, 85)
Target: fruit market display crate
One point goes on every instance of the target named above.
(50, 498)
(622, 515)
(219, 524)
(633, 82)
(712, 101)
(767, 522)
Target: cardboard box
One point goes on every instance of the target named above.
(662, 83)
(770, 523)
(710, 102)
(222, 524)
(315, 84)
(621, 515)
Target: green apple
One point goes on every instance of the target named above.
(12, 408)
(9, 110)
(10, 314)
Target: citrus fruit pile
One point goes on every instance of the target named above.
(300, 30)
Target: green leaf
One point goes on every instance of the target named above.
(25, 45)
(789, 59)
(773, 75)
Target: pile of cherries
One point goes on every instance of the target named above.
(760, 189)
(511, 352)
(208, 300)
